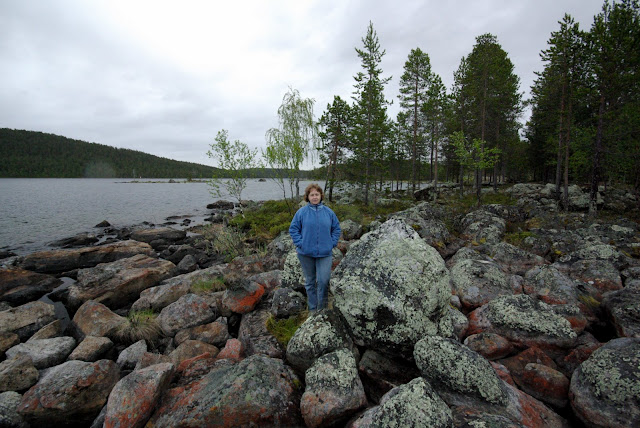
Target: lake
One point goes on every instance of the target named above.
(37, 211)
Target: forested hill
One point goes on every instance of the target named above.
(37, 154)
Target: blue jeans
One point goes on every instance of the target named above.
(316, 274)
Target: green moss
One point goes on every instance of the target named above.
(284, 329)
(208, 285)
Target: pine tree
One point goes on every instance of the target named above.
(336, 128)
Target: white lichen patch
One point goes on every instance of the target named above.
(524, 313)
(458, 368)
(336, 370)
(614, 374)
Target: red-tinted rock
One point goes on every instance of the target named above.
(502, 372)
(489, 345)
(95, 319)
(233, 350)
(243, 298)
(517, 363)
(546, 384)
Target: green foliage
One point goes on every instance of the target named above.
(234, 159)
(205, 286)
(227, 241)
(139, 325)
(266, 221)
(365, 214)
(336, 127)
(284, 329)
(517, 238)
(40, 155)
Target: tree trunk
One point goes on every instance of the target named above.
(597, 155)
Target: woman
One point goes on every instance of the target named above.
(315, 230)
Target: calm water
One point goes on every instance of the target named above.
(34, 212)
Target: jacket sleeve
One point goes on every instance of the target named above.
(335, 229)
(295, 230)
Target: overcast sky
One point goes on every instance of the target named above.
(164, 77)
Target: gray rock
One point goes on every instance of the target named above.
(258, 391)
(255, 337)
(134, 397)
(281, 246)
(188, 311)
(513, 259)
(159, 233)
(190, 349)
(118, 283)
(477, 282)
(45, 352)
(131, 355)
(427, 220)
(459, 322)
(57, 399)
(53, 329)
(79, 240)
(323, 332)
(56, 261)
(483, 227)
(605, 388)
(95, 319)
(414, 404)
(287, 302)
(623, 309)
(392, 289)
(188, 264)
(26, 319)
(448, 364)
(9, 417)
(292, 275)
(380, 374)
(91, 349)
(215, 333)
(19, 286)
(333, 390)
(18, 373)
(351, 230)
(550, 285)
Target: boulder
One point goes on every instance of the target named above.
(551, 286)
(25, 320)
(292, 275)
(190, 349)
(333, 390)
(20, 286)
(258, 391)
(449, 365)
(623, 310)
(53, 329)
(380, 374)
(215, 333)
(95, 319)
(18, 373)
(546, 384)
(287, 302)
(57, 261)
(80, 240)
(477, 282)
(7, 340)
(151, 235)
(133, 399)
(427, 220)
(71, 393)
(188, 311)
(392, 289)
(490, 345)
(255, 337)
(513, 259)
(599, 274)
(323, 332)
(351, 230)
(459, 322)
(188, 264)
(516, 364)
(119, 283)
(192, 369)
(523, 320)
(414, 404)
(131, 355)
(233, 350)
(605, 388)
(45, 352)
(483, 227)
(91, 349)
(242, 297)
(281, 246)
(9, 417)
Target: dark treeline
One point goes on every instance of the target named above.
(41, 155)
(584, 126)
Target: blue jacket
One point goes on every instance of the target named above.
(315, 230)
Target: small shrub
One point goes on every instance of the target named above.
(284, 329)
(517, 238)
(208, 285)
(139, 325)
(266, 221)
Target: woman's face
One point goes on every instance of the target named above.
(314, 197)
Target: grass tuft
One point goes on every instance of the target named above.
(212, 285)
(284, 329)
(139, 325)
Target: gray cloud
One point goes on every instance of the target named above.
(163, 78)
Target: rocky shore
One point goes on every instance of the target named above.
(507, 316)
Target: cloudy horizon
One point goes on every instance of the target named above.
(164, 77)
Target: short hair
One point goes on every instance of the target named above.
(310, 187)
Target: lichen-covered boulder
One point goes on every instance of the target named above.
(483, 227)
(426, 219)
(134, 397)
(215, 333)
(258, 391)
(242, 297)
(513, 259)
(118, 283)
(477, 282)
(392, 289)
(45, 352)
(321, 333)
(623, 309)
(605, 389)
(188, 311)
(292, 275)
(523, 320)
(602, 275)
(333, 390)
(350, 230)
(380, 373)
(95, 319)
(551, 286)
(17, 373)
(597, 251)
(287, 302)
(9, 417)
(414, 404)
(281, 246)
(546, 384)
(71, 393)
(190, 349)
(450, 365)
(26, 319)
